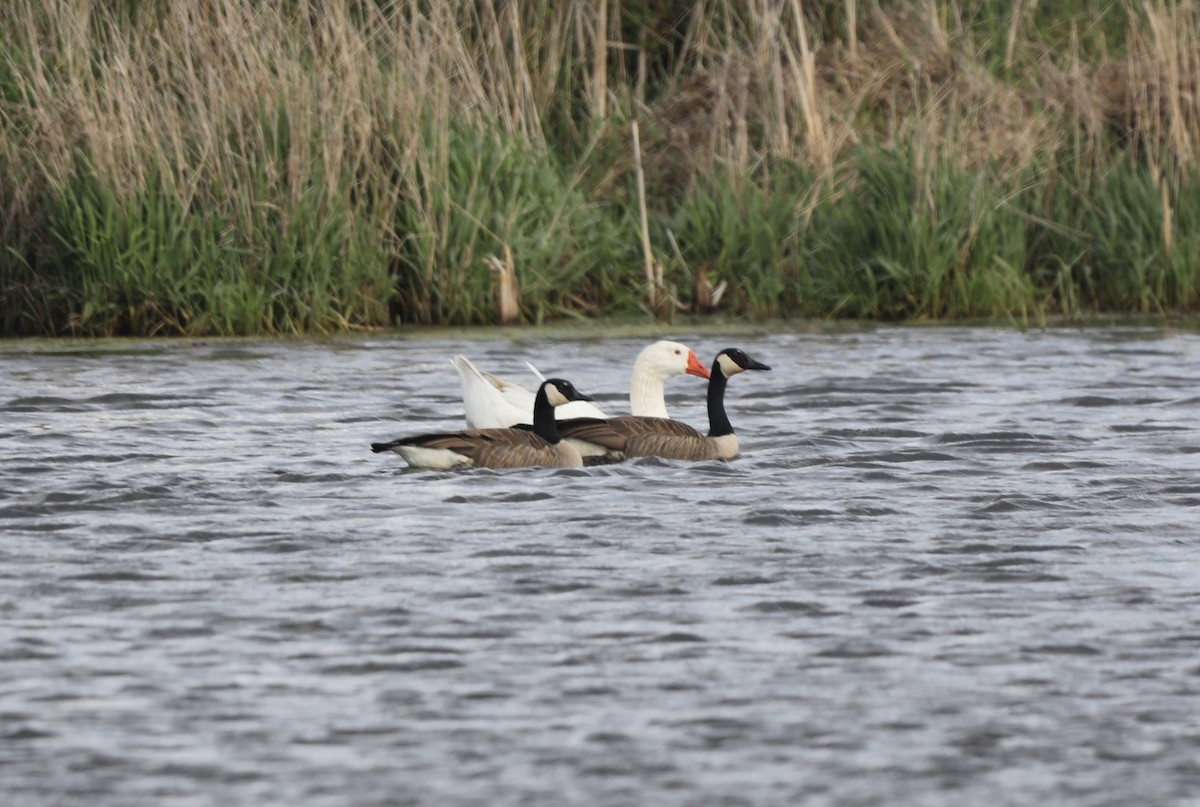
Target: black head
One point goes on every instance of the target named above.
(732, 360)
(560, 391)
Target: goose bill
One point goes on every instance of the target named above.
(694, 367)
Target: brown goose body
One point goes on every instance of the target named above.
(632, 436)
(484, 448)
(627, 437)
(498, 448)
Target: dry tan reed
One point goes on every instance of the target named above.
(189, 93)
(251, 108)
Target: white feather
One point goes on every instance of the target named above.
(493, 403)
(535, 371)
(434, 459)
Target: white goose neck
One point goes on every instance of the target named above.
(646, 393)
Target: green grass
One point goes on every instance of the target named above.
(1102, 245)
(148, 264)
(285, 168)
(919, 239)
(483, 192)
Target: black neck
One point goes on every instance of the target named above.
(718, 422)
(544, 424)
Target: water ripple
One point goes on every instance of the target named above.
(953, 565)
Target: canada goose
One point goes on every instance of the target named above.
(498, 448)
(492, 402)
(659, 437)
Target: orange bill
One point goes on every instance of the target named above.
(695, 367)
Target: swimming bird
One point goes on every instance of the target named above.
(661, 437)
(498, 448)
(492, 402)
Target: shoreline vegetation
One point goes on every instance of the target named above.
(237, 167)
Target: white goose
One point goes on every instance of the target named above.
(493, 403)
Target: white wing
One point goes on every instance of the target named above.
(487, 407)
(492, 402)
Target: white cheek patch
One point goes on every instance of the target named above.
(728, 366)
(555, 397)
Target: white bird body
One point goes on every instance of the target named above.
(493, 402)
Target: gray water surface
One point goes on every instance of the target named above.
(953, 566)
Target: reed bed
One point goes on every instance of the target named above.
(292, 166)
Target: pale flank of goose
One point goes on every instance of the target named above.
(498, 448)
(492, 402)
(660, 437)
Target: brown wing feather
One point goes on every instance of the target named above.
(672, 446)
(499, 448)
(596, 431)
(616, 433)
(469, 441)
(632, 426)
(517, 455)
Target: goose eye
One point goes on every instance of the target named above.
(678, 352)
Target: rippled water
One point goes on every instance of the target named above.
(953, 566)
